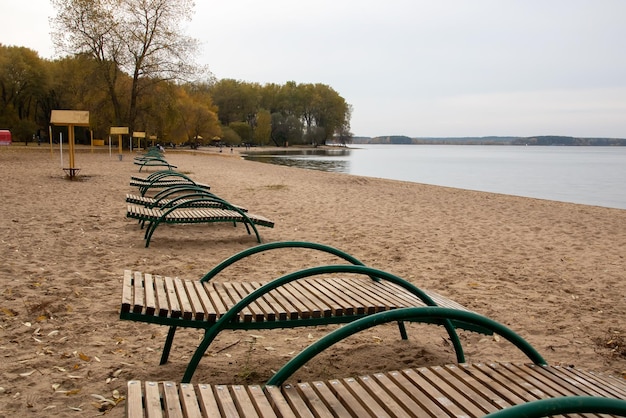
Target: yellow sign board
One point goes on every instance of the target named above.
(70, 117)
(119, 130)
(139, 134)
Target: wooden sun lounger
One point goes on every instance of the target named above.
(161, 203)
(309, 297)
(461, 390)
(164, 179)
(152, 161)
(189, 211)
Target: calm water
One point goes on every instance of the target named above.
(587, 175)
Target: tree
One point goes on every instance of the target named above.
(141, 38)
(263, 131)
(23, 89)
(237, 101)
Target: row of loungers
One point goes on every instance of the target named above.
(153, 157)
(171, 197)
(360, 297)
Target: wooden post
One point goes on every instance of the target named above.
(70, 118)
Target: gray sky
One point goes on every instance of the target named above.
(416, 67)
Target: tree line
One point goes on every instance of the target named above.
(129, 64)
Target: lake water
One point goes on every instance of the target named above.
(586, 175)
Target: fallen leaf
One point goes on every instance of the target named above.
(27, 373)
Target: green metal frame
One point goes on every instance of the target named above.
(430, 314)
(228, 320)
(275, 246)
(190, 202)
(153, 180)
(564, 405)
(259, 249)
(153, 162)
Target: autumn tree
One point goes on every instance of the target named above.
(23, 88)
(263, 129)
(140, 38)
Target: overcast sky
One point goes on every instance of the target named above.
(415, 67)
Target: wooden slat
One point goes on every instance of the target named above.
(127, 291)
(189, 402)
(197, 310)
(351, 403)
(397, 296)
(332, 307)
(138, 294)
(491, 383)
(296, 403)
(334, 292)
(278, 402)
(503, 385)
(266, 311)
(261, 402)
(250, 312)
(210, 311)
(207, 401)
(243, 402)
(284, 309)
(587, 385)
(284, 298)
(366, 306)
(490, 400)
(152, 400)
(301, 294)
(605, 384)
(223, 296)
(445, 302)
(381, 385)
(171, 401)
(246, 314)
(149, 294)
(225, 401)
(365, 287)
(546, 383)
(134, 407)
(314, 297)
(469, 390)
(178, 293)
(541, 388)
(161, 296)
(451, 392)
(315, 404)
(377, 402)
(326, 394)
(430, 399)
(215, 307)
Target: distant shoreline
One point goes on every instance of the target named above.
(542, 140)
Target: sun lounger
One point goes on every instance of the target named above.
(173, 195)
(458, 390)
(322, 295)
(199, 209)
(164, 179)
(152, 161)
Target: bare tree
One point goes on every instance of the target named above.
(141, 38)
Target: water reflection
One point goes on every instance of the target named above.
(335, 160)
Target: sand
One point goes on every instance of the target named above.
(553, 272)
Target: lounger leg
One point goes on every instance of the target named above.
(209, 336)
(402, 328)
(168, 345)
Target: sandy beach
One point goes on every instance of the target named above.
(553, 272)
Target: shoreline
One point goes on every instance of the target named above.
(551, 271)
